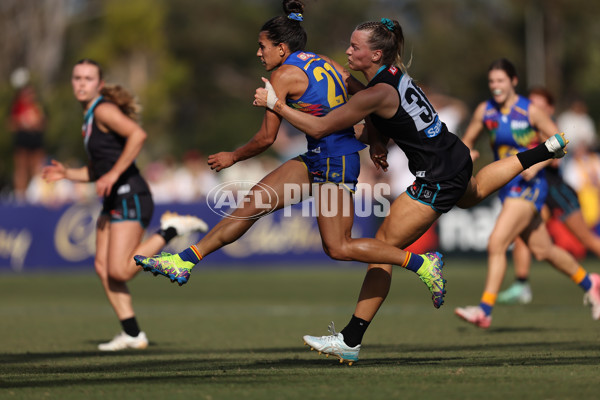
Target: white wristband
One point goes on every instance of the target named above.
(271, 96)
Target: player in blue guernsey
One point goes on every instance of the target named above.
(112, 140)
(515, 124)
(561, 203)
(395, 107)
(313, 85)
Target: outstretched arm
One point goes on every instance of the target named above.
(57, 171)
(286, 82)
(360, 105)
(261, 141)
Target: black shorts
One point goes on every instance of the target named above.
(442, 196)
(29, 140)
(129, 201)
(562, 199)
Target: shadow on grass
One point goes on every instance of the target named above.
(252, 366)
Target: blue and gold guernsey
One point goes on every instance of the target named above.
(326, 91)
(510, 133)
(334, 158)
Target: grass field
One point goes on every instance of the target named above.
(236, 334)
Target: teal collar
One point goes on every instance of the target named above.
(380, 69)
(90, 111)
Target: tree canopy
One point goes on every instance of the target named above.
(193, 63)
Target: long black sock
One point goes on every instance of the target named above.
(533, 156)
(522, 280)
(168, 233)
(130, 326)
(354, 331)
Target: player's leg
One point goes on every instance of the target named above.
(514, 217)
(117, 293)
(586, 236)
(497, 174)
(543, 249)
(20, 179)
(335, 217)
(407, 221)
(405, 224)
(271, 192)
(519, 291)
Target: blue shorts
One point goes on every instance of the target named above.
(341, 170)
(534, 191)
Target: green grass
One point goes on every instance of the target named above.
(236, 334)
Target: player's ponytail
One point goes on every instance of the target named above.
(123, 99)
(287, 28)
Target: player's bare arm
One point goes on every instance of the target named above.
(377, 99)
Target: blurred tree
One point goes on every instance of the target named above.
(214, 109)
(193, 63)
(32, 35)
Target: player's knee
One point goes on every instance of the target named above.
(539, 253)
(119, 274)
(383, 235)
(337, 251)
(100, 268)
(496, 247)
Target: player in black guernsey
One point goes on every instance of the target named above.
(113, 139)
(395, 107)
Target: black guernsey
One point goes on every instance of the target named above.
(104, 149)
(434, 154)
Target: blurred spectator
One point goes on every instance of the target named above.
(582, 165)
(27, 122)
(582, 172)
(578, 127)
(452, 111)
(159, 175)
(194, 179)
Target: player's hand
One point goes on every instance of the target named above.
(474, 154)
(221, 160)
(265, 97)
(105, 183)
(54, 172)
(378, 153)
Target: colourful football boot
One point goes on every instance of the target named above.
(431, 274)
(166, 264)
